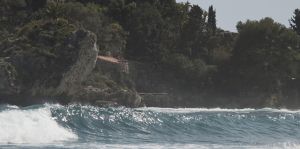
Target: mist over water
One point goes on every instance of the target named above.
(77, 126)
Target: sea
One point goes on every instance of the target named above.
(53, 126)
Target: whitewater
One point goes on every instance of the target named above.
(80, 126)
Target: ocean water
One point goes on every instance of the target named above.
(78, 126)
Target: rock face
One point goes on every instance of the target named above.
(85, 64)
(109, 97)
(107, 85)
(69, 84)
(7, 78)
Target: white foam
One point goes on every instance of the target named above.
(185, 146)
(280, 110)
(193, 110)
(31, 127)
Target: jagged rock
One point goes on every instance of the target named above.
(128, 98)
(113, 96)
(7, 78)
(85, 64)
(70, 83)
(91, 94)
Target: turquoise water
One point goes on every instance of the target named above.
(77, 126)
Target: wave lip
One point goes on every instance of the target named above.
(34, 126)
(194, 110)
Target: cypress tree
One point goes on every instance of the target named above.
(212, 22)
(295, 21)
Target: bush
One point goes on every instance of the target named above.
(191, 72)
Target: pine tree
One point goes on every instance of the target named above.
(295, 21)
(212, 22)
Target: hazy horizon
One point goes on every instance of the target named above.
(229, 12)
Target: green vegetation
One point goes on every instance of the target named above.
(212, 22)
(265, 59)
(260, 62)
(295, 21)
(40, 49)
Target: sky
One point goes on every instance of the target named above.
(229, 12)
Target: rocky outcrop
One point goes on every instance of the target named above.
(108, 85)
(109, 97)
(74, 84)
(85, 64)
(60, 67)
(69, 84)
(53, 60)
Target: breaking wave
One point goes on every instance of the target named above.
(31, 126)
(78, 126)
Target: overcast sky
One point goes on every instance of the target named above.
(229, 12)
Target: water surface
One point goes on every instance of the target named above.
(77, 126)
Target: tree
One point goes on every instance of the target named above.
(167, 8)
(263, 57)
(194, 33)
(212, 22)
(295, 21)
(120, 9)
(145, 26)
